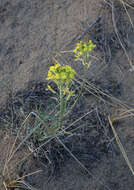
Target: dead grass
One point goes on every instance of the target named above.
(126, 111)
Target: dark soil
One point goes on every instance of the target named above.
(87, 158)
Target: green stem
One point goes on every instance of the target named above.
(85, 73)
(61, 107)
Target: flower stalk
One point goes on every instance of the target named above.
(82, 53)
(62, 76)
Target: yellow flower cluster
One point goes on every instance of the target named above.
(83, 48)
(61, 75)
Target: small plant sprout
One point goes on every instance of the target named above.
(62, 76)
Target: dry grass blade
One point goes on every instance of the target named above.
(29, 186)
(124, 5)
(6, 161)
(125, 114)
(127, 4)
(20, 180)
(12, 152)
(5, 185)
(34, 129)
(92, 89)
(117, 34)
(29, 174)
(46, 142)
(120, 146)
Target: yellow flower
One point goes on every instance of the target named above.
(61, 75)
(82, 52)
(75, 50)
(83, 49)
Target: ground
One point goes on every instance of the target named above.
(31, 34)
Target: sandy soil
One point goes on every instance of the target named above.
(30, 34)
